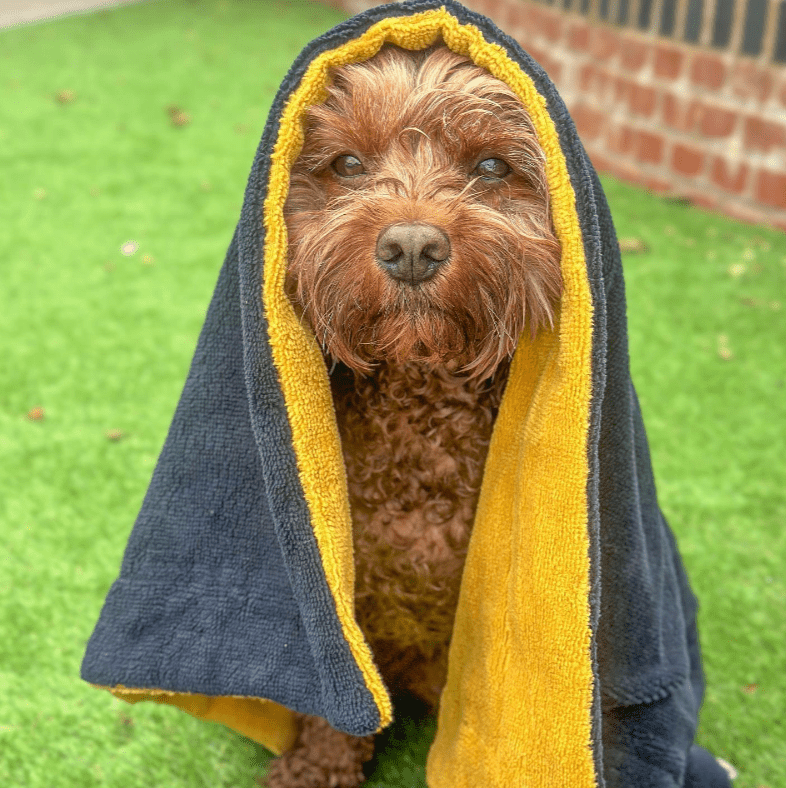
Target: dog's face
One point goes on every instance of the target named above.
(418, 216)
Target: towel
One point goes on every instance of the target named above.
(574, 659)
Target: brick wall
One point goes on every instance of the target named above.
(700, 122)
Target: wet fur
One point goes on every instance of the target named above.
(417, 371)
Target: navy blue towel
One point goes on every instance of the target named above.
(234, 599)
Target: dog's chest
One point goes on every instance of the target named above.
(415, 443)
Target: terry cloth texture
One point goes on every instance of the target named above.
(574, 660)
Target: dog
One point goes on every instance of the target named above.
(421, 249)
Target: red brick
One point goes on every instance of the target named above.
(771, 188)
(668, 61)
(628, 171)
(486, 7)
(497, 9)
(763, 135)
(528, 16)
(551, 25)
(671, 110)
(649, 147)
(529, 19)
(587, 77)
(726, 179)
(606, 82)
(657, 185)
(588, 120)
(579, 37)
(642, 100)
(694, 111)
(709, 71)
(633, 53)
(541, 56)
(680, 114)
(687, 160)
(619, 168)
(509, 14)
(600, 162)
(622, 89)
(716, 122)
(620, 139)
(604, 43)
(537, 54)
(554, 70)
(746, 213)
(751, 82)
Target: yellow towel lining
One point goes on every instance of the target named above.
(557, 367)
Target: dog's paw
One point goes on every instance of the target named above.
(295, 770)
(322, 757)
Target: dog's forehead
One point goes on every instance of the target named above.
(435, 99)
(403, 80)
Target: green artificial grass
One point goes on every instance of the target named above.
(125, 141)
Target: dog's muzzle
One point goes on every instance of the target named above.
(412, 253)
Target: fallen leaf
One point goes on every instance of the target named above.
(147, 259)
(65, 96)
(632, 245)
(750, 688)
(114, 435)
(39, 194)
(178, 116)
(36, 414)
(724, 351)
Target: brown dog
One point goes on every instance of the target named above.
(421, 248)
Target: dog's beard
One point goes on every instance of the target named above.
(502, 276)
(470, 313)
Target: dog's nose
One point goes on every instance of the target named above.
(412, 252)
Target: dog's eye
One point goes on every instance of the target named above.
(492, 169)
(348, 166)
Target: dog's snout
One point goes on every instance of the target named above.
(412, 252)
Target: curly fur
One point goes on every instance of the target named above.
(418, 369)
(415, 440)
